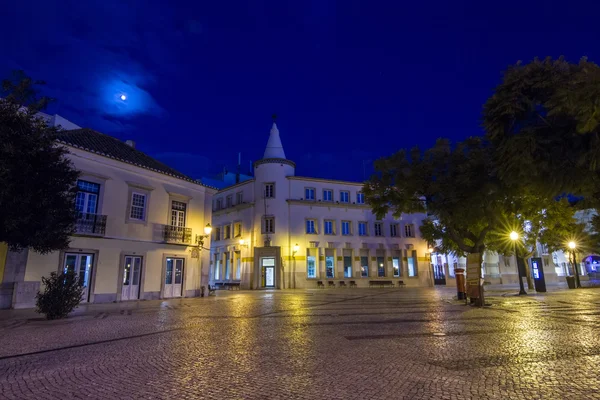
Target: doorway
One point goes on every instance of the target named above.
(173, 277)
(439, 270)
(132, 272)
(268, 272)
(81, 264)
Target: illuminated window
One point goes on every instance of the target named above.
(396, 267)
(380, 267)
(311, 266)
(329, 269)
(364, 266)
(347, 267)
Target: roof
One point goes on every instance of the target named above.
(108, 146)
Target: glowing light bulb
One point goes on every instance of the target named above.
(514, 235)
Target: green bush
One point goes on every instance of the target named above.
(62, 294)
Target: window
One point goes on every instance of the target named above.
(309, 193)
(227, 266)
(239, 197)
(329, 227)
(238, 265)
(269, 225)
(237, 229)
(409, 230)
(86, 201)
(396, 267)
(229, 201)
(380, 267)
(310, 226)
(219, 204)
(327, 195)
(217, 274)
(364, 266)
(346, 228)
(329, 266)
(347, 267)
(378, 229)
(227, 232)
(178, 213)
(344, 196)
(217, 233)
(362, 229)
(138, 206)
(412, 268)
(394, 230)
(311, 266)
(360, 198)
(269, 190)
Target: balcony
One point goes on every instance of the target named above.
(90, 224)
(177, 234)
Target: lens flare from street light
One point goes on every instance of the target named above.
(207, 229)
(514, 235)
(572, 245)
(242, 242)
(296, 248)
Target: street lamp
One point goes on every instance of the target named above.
(573, 246)
(200, 238)
(514, 236)
(295, 249)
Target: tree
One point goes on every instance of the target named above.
(62, 294)
(544, 122)
(37, 180)
(457, 186)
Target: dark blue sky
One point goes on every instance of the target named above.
(350, 80)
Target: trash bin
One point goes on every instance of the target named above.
(201, 291)
(570, 281)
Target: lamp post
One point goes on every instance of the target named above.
(514, 236)
(573, 246)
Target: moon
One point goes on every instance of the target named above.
(123, 97)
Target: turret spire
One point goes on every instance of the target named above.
(274, 147)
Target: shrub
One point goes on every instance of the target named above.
(62, 294)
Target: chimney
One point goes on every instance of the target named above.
(130, 143)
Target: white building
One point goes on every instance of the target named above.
(280, 231)
(137, 227)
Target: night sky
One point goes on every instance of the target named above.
(349, 80)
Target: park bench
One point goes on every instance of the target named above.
(331, 284)
(343, 284)
(353, 284)
(232, 285)
(211, 290)
(320, 285)
(381, 283)
(219, 285)
(401, 284)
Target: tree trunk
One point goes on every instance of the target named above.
(528, 275)
(474, 281)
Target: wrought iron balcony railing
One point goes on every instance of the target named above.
(90, 224)
(177, 234)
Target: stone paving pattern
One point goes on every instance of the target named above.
(400, 343)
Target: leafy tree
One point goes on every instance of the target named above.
(37, 180)
(457, 186)
(62, 294)
(544, 122)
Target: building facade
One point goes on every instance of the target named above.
(137, 225)
(279, 230)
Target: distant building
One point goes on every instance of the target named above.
(278, 230)
(136, 231)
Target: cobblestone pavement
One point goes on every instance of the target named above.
(397, 343)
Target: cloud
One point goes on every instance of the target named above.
(92, 52)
